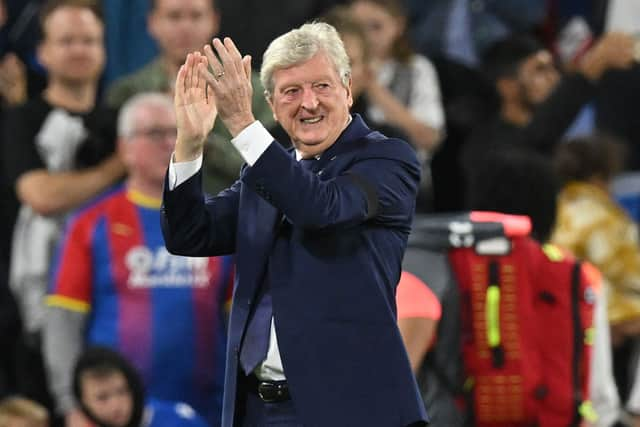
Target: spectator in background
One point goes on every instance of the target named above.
(462, 29)
(20, 412)
(357, 47)
(402, 89)
(180, 27)
(58, 152)
(13, 91)
(110, 393)
(454, 35)
(418, 314)
(537, 104)
(115, 284)
(593, 226)
(20, 33)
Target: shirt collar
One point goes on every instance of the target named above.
(317, 156)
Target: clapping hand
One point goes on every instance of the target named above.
(195, 108)
(230, 80)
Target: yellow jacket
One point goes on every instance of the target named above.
(592, 226)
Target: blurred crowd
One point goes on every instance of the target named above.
(522, 107)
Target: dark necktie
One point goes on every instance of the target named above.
(256, 338)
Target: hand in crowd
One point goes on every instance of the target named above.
(195, 106)
(231, 84)
(13, 79)
(612, 51)
(75, 418)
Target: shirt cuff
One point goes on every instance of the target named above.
(252, 142)
(179, 172)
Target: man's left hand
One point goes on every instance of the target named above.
(230, 79)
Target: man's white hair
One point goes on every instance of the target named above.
(300, 45)
(129, 112)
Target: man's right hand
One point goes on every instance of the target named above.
(195, 109)
(231, 84)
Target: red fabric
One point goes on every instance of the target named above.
(556, 328)
(415, 299)
(502, 395)
(535, 384)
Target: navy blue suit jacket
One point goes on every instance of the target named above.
(331, 241)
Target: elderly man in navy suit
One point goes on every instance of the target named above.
(318, 232)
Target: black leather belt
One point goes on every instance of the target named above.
(268, 391)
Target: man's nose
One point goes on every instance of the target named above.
(309, 99)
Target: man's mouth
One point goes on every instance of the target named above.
(312, 120)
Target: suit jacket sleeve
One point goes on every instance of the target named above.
(195, 225)
(380, 184)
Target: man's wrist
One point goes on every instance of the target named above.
(186, 152)
(239, 124)
(252, 141)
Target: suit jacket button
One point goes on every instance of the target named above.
(320, 172)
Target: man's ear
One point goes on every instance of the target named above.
(269, 99)
(349, 92)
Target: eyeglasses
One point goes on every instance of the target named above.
(157, 134)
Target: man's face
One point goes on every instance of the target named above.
(148, 150)
(311, 103)
(108, 398)
(537, 77)
(381, 27)
(72, 49)
(359, 73)
(182, 26)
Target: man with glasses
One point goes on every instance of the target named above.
(116, 285)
